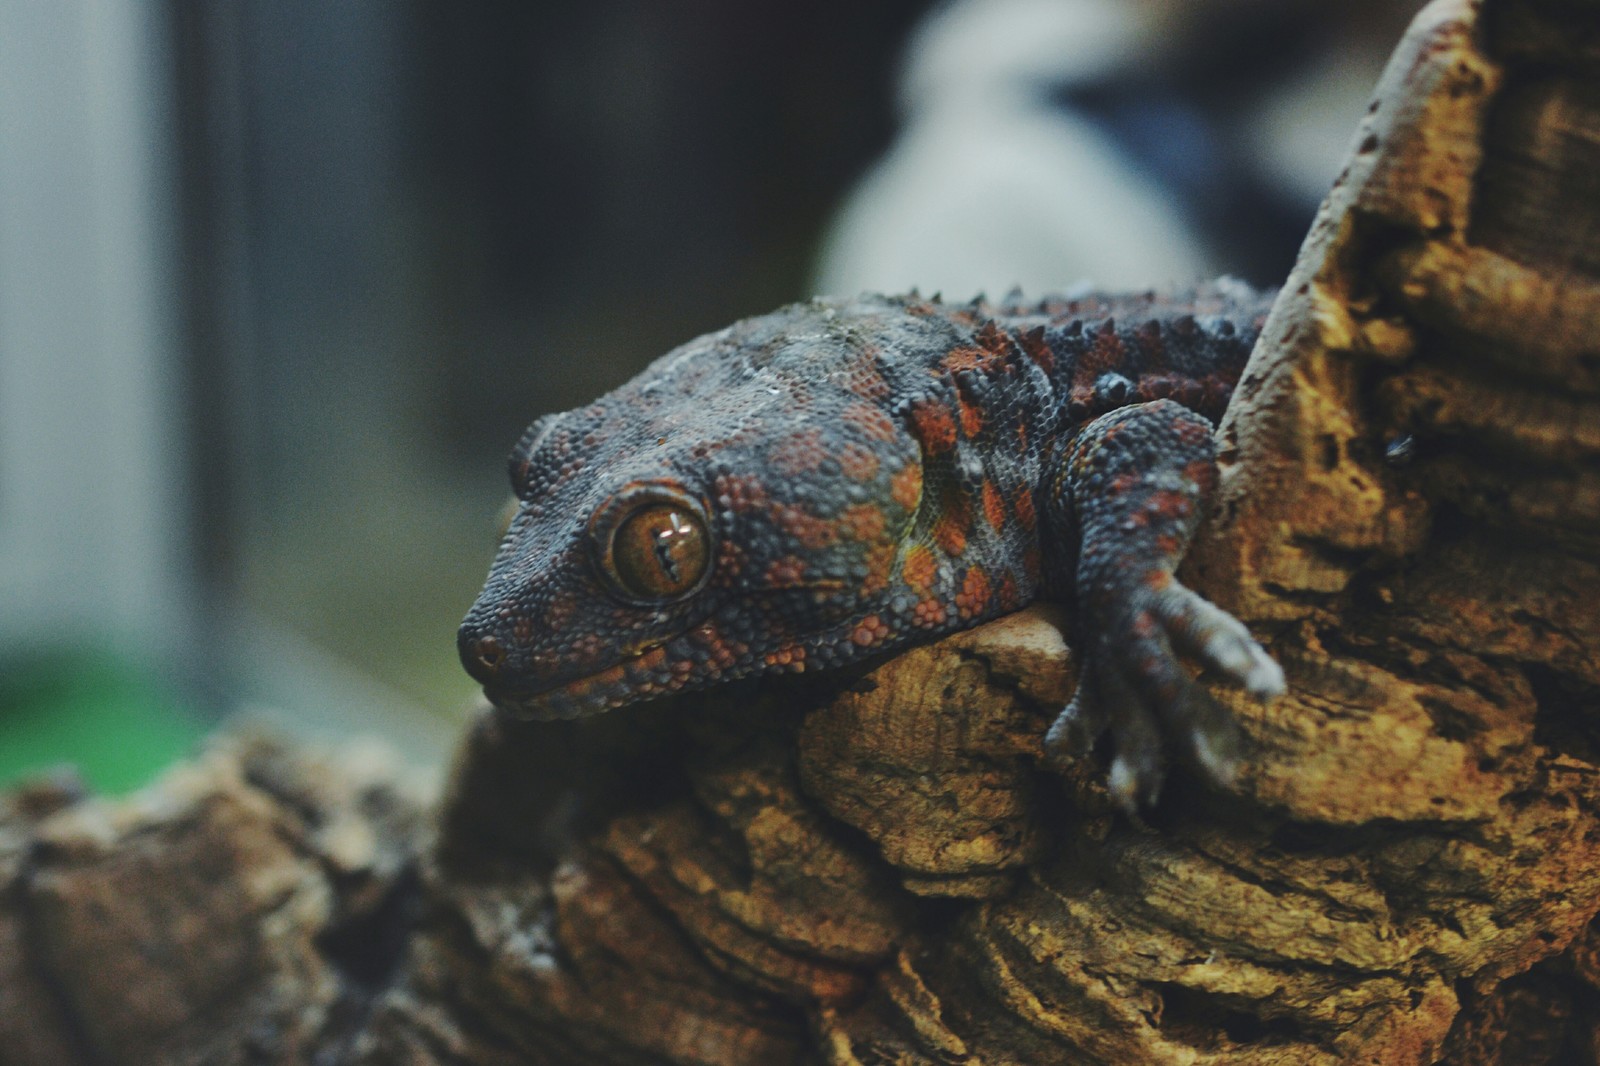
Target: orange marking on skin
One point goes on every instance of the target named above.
(786, 572)
(587, 646)
(994, 340)
(1106, 353)
(1125, 481)
(799, 453)
(1035, 348)
(950, 532)
(607, 678)
(1156, 387)
(863, 522)
(563, 605)
(929, 613)
(1032, 563)
(905, 488)
(858, 462)
(956, 522)
(790, 656)
(647, 663)
(957, 359)
(880, 564)
(872, 422)
(968, 410)
(740, 493)
(869, 631)
(1156, 580)
(730, 564)
(920, 569)
(805, 527)
(721, 653)
(934, 426)
(868, 384)
(1203, 473)
(994, 506)
(1022, 506)
(1218, 392)
(863, 378)
(974, 594)
(1168, 504)
(1006, 596)
(971, 418)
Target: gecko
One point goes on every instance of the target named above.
(842, 478)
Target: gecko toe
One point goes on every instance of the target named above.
(1074, 732)
(1215, 744)
(1139, 767)
(1219, 640)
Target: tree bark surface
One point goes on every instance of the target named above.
(879, 870)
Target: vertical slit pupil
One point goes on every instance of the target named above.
(667, 542)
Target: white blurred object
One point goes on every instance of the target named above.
(93, 519)
(990, 185)
(1024, 122)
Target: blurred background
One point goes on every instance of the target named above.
(281, 281)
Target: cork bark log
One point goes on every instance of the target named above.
(878, 870)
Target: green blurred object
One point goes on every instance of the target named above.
(110, 719)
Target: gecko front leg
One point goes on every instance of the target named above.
(1130, 487)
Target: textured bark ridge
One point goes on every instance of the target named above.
(878, 871)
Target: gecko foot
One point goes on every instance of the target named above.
(1134, 687)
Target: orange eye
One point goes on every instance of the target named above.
(660, 551)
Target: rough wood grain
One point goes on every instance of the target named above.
(878, 870)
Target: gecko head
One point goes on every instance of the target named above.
(730, 512)
(588, 589)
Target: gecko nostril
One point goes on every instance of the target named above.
(487, 653)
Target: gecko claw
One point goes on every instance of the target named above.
(1131, 788)
(1076, 728)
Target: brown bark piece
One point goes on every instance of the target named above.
(877, 869)
(244, 909)
(34, 1025)
(931, 757)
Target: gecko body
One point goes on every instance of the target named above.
(841, 478)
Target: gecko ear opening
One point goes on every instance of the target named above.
(653, 543)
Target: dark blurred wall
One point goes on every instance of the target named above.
(605, 180)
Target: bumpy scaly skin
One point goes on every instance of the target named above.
(879, 471)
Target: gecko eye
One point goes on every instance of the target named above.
(659, 550)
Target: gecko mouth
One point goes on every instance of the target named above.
(642, 677)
